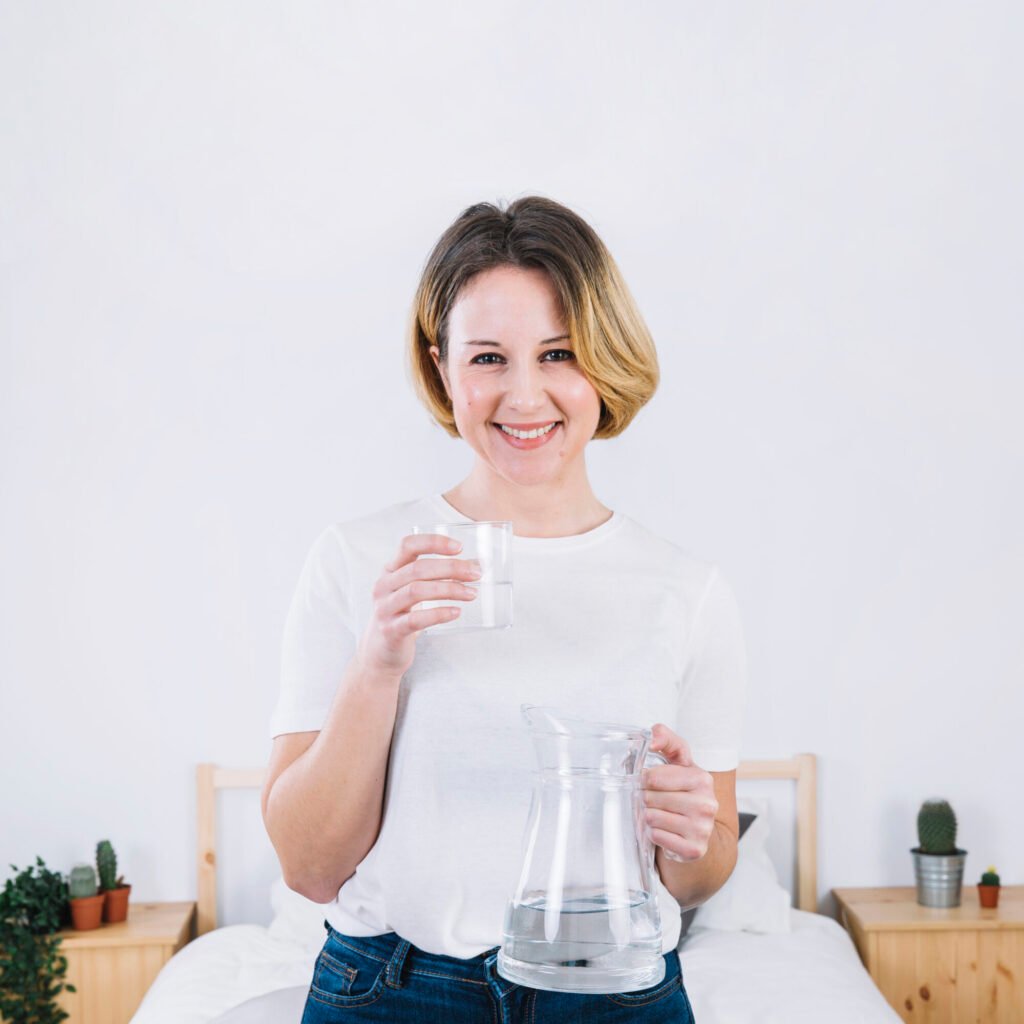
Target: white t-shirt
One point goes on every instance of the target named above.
(615, 624)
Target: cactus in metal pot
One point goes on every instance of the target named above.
(106, 865)
(936, 827)
(81, 882)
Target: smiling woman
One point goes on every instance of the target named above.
(568, 359)
(399, 781)
(591, 302)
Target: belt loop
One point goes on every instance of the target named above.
(393, 974)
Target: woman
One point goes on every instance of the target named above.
(398, 785)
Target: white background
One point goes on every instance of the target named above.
(212, 220)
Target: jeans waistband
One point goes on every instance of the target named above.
(386, 948)
(400, 955)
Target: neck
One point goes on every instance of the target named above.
(551, 509)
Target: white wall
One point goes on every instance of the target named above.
(213, 220)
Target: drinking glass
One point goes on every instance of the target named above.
(489, 543)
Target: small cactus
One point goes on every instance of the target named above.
(106, 865)
(990, 877)
(936, 827)
(81, 882)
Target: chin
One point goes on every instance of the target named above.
(526, 474)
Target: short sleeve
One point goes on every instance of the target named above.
(318, 639)
(713, 688)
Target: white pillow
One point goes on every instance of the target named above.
(752, 900)
(296, 920)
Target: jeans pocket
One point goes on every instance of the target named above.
(346, 976)
(669, 985)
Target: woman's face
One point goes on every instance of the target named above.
(510, 363)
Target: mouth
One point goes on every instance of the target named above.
(543, 436)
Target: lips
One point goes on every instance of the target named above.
(529, 443)
(528, 426)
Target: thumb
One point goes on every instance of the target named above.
(671, 745)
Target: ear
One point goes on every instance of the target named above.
(435, 354)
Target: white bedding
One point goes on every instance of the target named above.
(809, 975)
(748, 958)
(217, 971)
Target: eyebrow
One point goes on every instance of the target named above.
(547, 341)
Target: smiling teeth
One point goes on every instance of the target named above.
(524, 434)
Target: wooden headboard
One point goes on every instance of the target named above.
(802, 769)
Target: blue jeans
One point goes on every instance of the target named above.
(385, 978)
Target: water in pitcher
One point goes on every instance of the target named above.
(582, 930)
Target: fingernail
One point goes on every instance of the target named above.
(454, 545)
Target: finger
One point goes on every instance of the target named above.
(670, 745)
(675, 847)
(404, 599)
(415, 544)
(667, 821)
(676, 801)
(674, 777)
(692, 828)
(434, 569)
(416, 621)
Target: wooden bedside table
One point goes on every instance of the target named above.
(112, 966)
(945, 966)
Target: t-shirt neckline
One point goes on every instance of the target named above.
(577, 540)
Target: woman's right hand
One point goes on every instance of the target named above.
(388, 644)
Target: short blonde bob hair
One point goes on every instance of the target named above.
(610, 340)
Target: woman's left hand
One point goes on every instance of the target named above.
(680, 799)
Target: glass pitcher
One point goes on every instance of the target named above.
(584, 916)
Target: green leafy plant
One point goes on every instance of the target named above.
(106, 865)
(32, 907)
(989, 877)
(936, 827)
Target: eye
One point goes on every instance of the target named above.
(551, 352)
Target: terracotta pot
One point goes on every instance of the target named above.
(116, 906)
(86, 912)
(989, 895)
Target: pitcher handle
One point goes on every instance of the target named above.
(648, 842)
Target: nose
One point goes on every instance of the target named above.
(526, 390)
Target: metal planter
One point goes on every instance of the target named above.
(939, 877)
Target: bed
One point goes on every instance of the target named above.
(755, 952)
